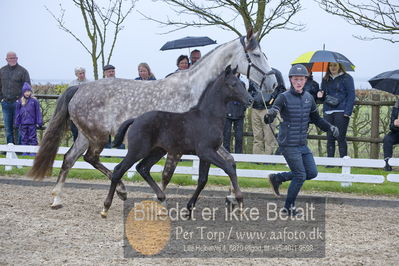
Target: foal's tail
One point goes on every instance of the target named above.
(43, 164)
(120, 135)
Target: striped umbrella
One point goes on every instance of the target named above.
(318, 60)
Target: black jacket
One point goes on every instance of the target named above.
(312, 87)
(12, 80)
(235, 110)
(296, 111)
(394, 115)
(254, 90)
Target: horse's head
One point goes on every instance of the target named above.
(254, 63)
(235, 88)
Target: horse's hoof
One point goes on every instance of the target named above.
(122, 195)
(56, 206)
(104, 214)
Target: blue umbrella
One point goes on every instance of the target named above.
(187, 42)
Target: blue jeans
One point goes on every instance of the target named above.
(303, 167)
(8, 109)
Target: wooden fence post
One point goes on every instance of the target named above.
(375, 126)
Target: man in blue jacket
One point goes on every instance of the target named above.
(297, 109)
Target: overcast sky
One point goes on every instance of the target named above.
(50, 54)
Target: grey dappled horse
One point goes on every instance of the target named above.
(198, 131)
(98, 108)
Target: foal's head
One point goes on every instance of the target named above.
(234, 88)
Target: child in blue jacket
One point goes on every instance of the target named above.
(28, 116)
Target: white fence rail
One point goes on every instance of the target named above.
(345, 177)
(393, 177)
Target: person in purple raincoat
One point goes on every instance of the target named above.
(28, 116)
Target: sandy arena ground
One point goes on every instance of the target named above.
(33, 234)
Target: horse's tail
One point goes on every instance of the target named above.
(120, 135)
(43, 163)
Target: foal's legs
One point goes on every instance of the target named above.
(173, 159)
(169, 168)
(202, 180)
(77, 149)
(144, 168)
(229, 158)
(214, 157)
(92, 156)
(117, 174)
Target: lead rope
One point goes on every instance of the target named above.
(270, 125)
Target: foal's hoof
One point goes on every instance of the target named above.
(230, 199)
(230, 205)
(161, 200)
(122, 195)
(164, 203)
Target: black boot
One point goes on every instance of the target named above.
(275, 184)
(387, 167)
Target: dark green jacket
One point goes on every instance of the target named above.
(12, 80)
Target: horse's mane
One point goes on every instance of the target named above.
(212, 83)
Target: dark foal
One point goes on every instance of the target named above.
(198, 131)
(173, 159)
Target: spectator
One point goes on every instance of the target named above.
(392, 137)
(80, 74)
(297, 108)
(182, 64)
(234, 117)
(264, 139)
(338, 92)
(28, 116)
(312, 86)
(195, 55)
(109, 71)
(145, 72)
(12, 78)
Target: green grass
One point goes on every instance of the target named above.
(386, 188)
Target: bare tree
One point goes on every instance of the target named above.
(379, 16)
(263, 15)
(102, 25)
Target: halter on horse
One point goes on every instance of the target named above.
(98, 108)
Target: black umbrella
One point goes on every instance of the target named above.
(387, 81)
(187, 42)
